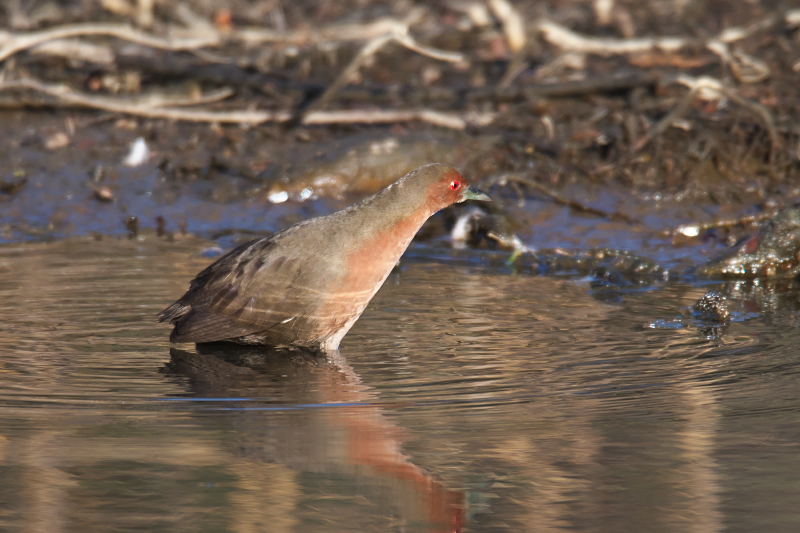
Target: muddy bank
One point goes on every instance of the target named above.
(667, 114)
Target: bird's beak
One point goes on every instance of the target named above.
(474, 194)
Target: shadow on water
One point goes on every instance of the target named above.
(340, 432)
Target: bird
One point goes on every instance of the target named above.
(305, 286)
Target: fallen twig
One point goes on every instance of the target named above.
(599, 84)
(347, 74)
(146, 107)
(11, 43)
(400, 36)
(676, 113)
(378, 116)
(694, 230)
(75, 49)
(746, 68)
(165, 100)
(515, 243)
(708, 88)
(567, 39)
(512, 22)
(556, 197)
(335, 33)
(182, 39)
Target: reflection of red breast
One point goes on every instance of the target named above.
(379, 449)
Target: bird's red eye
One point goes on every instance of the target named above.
(454, 185)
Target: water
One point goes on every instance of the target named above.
(466, 396)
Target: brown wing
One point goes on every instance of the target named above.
(255, 287)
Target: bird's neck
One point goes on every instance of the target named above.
(394, 211)
(379, 230)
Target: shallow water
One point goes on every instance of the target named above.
(466, 396)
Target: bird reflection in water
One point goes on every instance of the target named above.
(311, 413)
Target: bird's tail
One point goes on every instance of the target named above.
(173, 313)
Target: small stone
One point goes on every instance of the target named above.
(56, 141)
(132, 224)
(104, 194)
(712, 307)
(138, 154)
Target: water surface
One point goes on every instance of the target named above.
(467, 396)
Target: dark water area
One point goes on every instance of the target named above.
(469, 395)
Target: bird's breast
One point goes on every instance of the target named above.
(366, 267)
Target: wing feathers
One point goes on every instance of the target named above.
(199, 326)
(255, 288)
(173, 312)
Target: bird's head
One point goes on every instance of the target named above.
(444, 186)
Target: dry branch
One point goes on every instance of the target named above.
(437, 118)
(694, 230)
(11, 43)
(74, 49)
(143, 109)
(710, 89)
(182, 39)
(149, 107)
(335, 33)
(512, 22)
(674, 115)
(556, 197)
(567, 39)
(369, 50)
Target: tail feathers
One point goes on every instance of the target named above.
(173, 313)
(205, 326)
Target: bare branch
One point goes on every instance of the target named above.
(369, 50)
(149, 107)
(531, 183)
(693, 230)
(429, 51)
(347, 74)
(75, 49)
(335, 33)
(145, 108)
(674, 115)
(709, 88)
(437, 118)
(11, 43)
(569, 40)
(513, 23)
